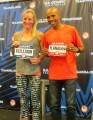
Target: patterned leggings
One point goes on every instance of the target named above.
(22, 85)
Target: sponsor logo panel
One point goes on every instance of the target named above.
(85, 72)
(92, 17)
(11, 7)
(0, 86)
(8, 70)
(13, 86)
(45, 71)
(64, 107)
(72, 19)
(42, 21)
(91, 53)
(18, 22)
(54, 3)
(80, 1)
(2, 39)
(1, 101)
(1, 24)
(0, 54)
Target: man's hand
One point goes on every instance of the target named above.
(44, 51)
(72, 48)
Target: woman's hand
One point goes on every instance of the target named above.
(15, 44)
(35, 60)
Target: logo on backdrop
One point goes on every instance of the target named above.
(1, 24)
(72, 19)
(84, 72)
(0, 54)
(77, 54)
(63, 106)
(18, 22)
(55, 3)
(12, 102)
(11, 7)
(92, 17)
(0, 86)
(84, 109)
(42, 21)
(8, 70)
(1, 101)
(85, 35)
(77, 90)
(32, 5)
(91, 53)
(80, 1)
(45, 71)
(2, 39)
(13, 86)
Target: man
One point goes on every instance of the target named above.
(62, 42)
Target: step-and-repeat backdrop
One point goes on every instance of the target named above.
(78, 13)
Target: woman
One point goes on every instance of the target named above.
(28, 70)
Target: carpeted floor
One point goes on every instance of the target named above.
(14, 115)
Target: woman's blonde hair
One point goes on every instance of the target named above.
(35, 24)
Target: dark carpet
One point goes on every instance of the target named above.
(14, 115)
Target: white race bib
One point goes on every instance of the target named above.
(24, 52)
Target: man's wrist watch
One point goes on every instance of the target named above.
(78, 49)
